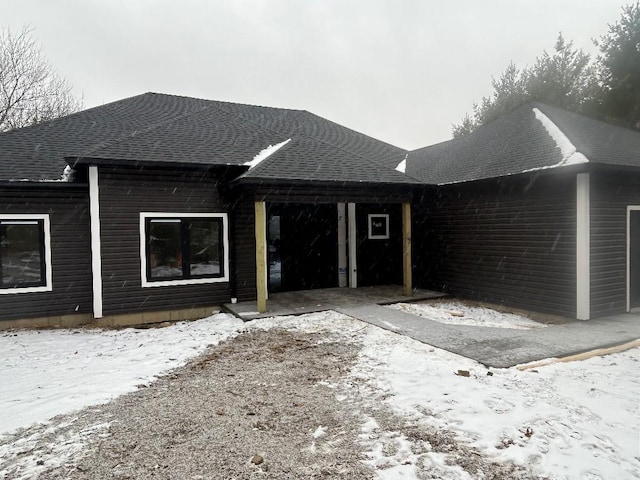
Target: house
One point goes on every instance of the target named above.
(164, 207)
(538, 209)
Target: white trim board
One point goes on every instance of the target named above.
(96, 246)
(630, 208)
(48, 277)
(193, 281)
(352, 239)
(583, 248)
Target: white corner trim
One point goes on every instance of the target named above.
(96, 243)
(46, 226)
(583, 248)
(352, 239)
(194, 281)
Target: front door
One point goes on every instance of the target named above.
(303, 247)
(634, 258)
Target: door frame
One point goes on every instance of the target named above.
(630, 208)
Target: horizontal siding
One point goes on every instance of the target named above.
(124, 193)
(244, 249)
(334, 194)
(70, 245)
(507, 241)
(610, 194)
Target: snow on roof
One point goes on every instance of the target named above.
(570, 154)
(402, 166)
(265, 153)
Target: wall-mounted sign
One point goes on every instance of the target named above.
(378, 226)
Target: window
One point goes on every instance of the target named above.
(179, 249)
(378, 226)
(25, 255)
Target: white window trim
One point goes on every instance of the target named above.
(373, 216)
(630, 208)
(48, 286)
(192, 281)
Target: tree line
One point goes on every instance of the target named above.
(606, 87)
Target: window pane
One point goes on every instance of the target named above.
(165, 257)
(204, 247)
(20, 253)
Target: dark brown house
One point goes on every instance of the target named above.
(163, 207)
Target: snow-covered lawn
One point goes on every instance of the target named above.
(44, 373)
(577, 420)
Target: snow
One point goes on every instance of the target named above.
(265, 153)
(564, 420)
(584, 416)
(402, 166)
(457, 313)
(45, 373)
(570, 154)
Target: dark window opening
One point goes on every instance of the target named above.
(184, 248)
(22, 254)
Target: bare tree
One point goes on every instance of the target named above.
(30, 91)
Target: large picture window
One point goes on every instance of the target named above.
(24, 254)
(183, 248)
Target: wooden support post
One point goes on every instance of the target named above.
(261, 255)
(406, 248)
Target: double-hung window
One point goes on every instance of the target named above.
(25, 254)
(180, 249)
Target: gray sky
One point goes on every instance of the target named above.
(399, 70)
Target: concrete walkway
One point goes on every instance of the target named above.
(501, 347)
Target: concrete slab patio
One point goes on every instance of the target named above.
(307, 301)
(500, 347)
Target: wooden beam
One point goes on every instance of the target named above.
(406, 249)
(261, 255)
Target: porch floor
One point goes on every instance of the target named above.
(307, 301)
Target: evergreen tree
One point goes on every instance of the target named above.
(619, 70)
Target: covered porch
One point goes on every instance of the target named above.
(317, 300)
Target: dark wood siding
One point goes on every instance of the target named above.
(610, 194)
(334, 194)
(243, 249)
(70, 252)
(124, 193)
(509, 241)
(379, 261)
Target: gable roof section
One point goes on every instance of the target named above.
(170, 129)
(322, 162)
(532, 137)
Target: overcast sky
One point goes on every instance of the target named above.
(399, 70)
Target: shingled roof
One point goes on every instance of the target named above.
(532, 137)
(166, 129)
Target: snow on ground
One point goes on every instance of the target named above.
(457, 313)
(44, 373)
(577, 420)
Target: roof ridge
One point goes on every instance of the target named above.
(270, 159)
